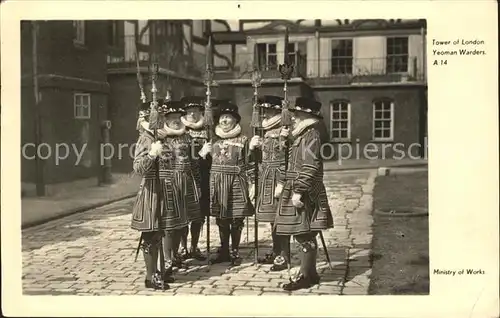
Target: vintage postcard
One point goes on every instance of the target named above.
(268, 150)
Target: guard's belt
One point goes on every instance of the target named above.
(273, 163)
(225, 169)
(289, 175)
(167, 173)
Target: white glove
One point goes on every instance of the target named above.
(278, 190)
(285, 132)
(251, 191)
(205, 150)
(156, 149)
(255, 142)
(296, 200)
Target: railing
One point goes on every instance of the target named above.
(332, 71)
(343, 71)
(243, 66)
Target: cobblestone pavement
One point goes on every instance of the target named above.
(92, 253)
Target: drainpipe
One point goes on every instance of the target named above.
(40, 183)
(318, 52)
(424, 53)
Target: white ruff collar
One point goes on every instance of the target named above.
(230, 134)
(270, 123)
(193, 125)
(165, 131)
(300, 127)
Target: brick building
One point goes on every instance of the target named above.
(69, 58)
(368, 74)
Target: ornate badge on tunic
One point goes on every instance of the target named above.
(224, 150)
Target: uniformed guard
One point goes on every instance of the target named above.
(273, 158)
(195, 127)
(143, 216)
(180, 194)
(303, 210)
(182, 187)
(229, 180)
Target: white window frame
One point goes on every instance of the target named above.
(79, 28)
(294, 52)
(79, 109)
(407, 55)
(391, 128)
(353, 60)
(332, 120)
(267, 44)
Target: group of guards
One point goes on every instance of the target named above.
(188, 176)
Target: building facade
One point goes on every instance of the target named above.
(67, 102)
(369, 75)
(132, 45)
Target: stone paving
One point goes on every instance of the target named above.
(92, 253)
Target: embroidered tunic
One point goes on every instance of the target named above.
(199, 137)
(229, 176)
(273, 157)
(305, 177)
(180, 194)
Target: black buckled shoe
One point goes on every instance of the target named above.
(300, 282)
(221, 257)
(184, 254)
(235, 258)
(197, 255)
(267, 259)
(156, 283)
(279, 264)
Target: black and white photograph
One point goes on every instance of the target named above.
(224, 157)
(263, 149)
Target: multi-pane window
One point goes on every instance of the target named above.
(267, 56)
(383, 120)
(81, 106)
(342, 57)
(340, 118)
(397, 55)
(292, 52)
(79, 32)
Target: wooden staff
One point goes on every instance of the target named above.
(155, 123)
(143, 99)
(286, 70)
(209, 121)
(256, 124)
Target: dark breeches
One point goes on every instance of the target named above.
(172, 241)
(236, 223)
(232, 228)
(308, 250)
(150, 241)
(307, 242)
(150, 245)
